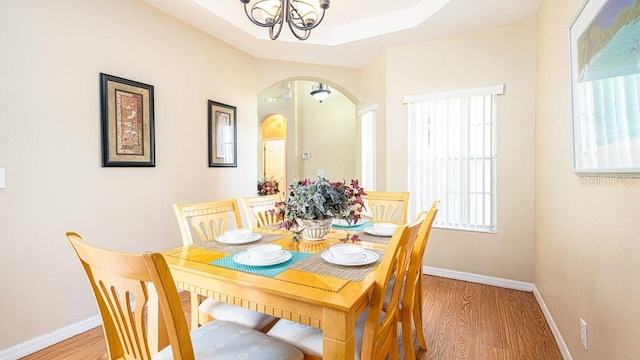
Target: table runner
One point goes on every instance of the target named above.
(317, 265)
(230, 248)
(373, 238)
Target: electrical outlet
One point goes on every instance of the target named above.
(584, 333)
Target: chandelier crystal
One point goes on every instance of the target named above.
(300, 15)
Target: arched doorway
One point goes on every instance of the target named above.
(320, 137)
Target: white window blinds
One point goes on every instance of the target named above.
(452, 157)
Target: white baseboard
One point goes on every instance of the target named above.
(564, 350)
(508, 284)
(480, 279)
(54, 337)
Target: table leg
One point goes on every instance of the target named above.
(339, 338)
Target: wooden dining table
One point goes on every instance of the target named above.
(331, 302)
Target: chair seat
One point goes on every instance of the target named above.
(221, 340)
(221, 310)
(309, 339)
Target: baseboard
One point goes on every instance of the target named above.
(508, 284)
(564, 350)
(480, 279)
(54, 337)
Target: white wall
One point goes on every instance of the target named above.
(51, 57)
(587, 247)
(503, 55)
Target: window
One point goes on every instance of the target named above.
(368, 146)
(452, 157)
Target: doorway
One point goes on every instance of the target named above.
(274, 150)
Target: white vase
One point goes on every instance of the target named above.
(315, 230)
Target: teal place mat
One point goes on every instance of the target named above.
(268, 271)
(360, 227)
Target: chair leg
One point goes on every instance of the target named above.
(393, 349)
(195, 313)
(417, 316)
(407, 334)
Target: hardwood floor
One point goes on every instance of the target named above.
(462, 321)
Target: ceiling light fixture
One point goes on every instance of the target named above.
(320, 91)
(300, 15)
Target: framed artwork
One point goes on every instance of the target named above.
(604, 45)
(222, 135)
(126, 111)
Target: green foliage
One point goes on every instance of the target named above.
(321, 199)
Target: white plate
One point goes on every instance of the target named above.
(343, 223)
(244, 258)
(386, 230)
(368, 257)
(251, 238)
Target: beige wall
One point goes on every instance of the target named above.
(374, 85)
(503, 55)
(52, 54)
(586, 235)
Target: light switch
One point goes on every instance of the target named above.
(1, 178)
(306, 156)
(320, 172)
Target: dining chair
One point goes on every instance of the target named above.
(201, 222)
(411, 304)
(256, 209)
(383, 206)
(376, 335)
(119, 282)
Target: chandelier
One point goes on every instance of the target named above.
(300, 15)
(320, 91)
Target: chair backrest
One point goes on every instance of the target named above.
(381, 324)
(417, 253)
(256, 209)
(206, 220)
(384, 205)
(118, 281)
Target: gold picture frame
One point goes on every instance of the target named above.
(127, 121)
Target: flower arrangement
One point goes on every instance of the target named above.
(268, 186)
(321, 199)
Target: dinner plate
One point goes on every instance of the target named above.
(368, 257)
(381, 230)
(343, 223)
(244, 258)
(251, 238)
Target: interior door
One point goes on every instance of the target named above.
(275, 161)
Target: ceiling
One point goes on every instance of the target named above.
(353, 32)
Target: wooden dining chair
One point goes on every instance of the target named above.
(386, 206)
(411, 304)
(256, 209)
(376, 334)
(206, 220)
(119, 282)
(201, 222)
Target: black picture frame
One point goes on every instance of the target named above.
(222, 134)
(127, 122)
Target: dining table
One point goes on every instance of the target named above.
(308, 288)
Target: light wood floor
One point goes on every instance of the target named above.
(462, 321)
